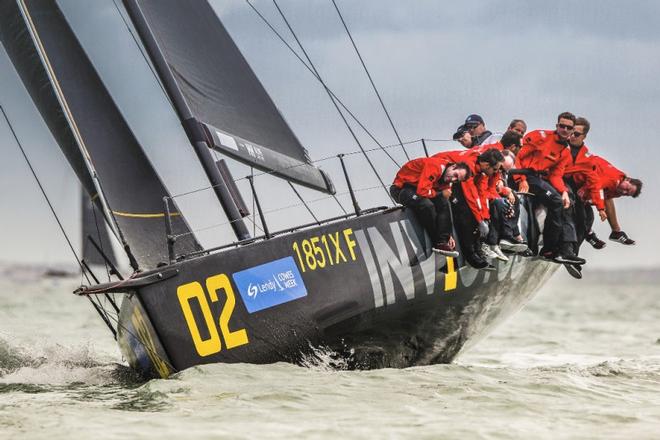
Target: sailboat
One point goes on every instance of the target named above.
(363, 284)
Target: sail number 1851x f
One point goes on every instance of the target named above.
(324, 250)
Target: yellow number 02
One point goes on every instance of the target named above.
(213, 284)
(212, 344)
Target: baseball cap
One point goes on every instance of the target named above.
(459, 132)
(473, 120)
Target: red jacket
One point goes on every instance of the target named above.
(492, 192)
(474, 189)
(542, 151)
(482, 148)
(425, 173)
(583, 155)
(597, 180)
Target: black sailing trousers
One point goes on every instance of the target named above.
(559, 224)
(501, 226)
(466, 224)
(433, 214)
(584, 216)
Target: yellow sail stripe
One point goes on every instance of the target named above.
(134, 215)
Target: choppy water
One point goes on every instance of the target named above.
(581, 361)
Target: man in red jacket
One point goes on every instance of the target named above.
(422, 185)
(546, 155)
(470, 200)
(598, 182)
(584, 215)
(607, 177)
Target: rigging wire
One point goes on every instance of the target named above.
(373, 85)
(334, 196)
(303, 201)
(281, 208)
(318, 78)
(43, 191)
(140, 48)
(100, 310)
(348, 126)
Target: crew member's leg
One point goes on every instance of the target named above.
(581, 226)
(568, 230)
(466, 227)
(496, 221)
(424, 209)
(549, 197)
(510, 238)
(443, 223)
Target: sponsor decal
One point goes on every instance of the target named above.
(270, 284)
(226, 140)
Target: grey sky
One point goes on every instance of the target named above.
(434, 63)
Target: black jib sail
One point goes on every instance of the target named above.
(222, 91)
(89, 128)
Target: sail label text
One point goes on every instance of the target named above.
(270, 284)
(325, 250)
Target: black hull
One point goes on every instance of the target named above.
(367, 288)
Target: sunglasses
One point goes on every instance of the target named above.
(577, 134)
(566, 127)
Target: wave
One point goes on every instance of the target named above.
(325, 359)
(37, 368)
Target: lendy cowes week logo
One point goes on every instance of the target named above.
(270, 284)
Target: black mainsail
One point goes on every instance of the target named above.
(221, 90)
(89, 128)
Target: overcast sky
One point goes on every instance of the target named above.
(434, 63)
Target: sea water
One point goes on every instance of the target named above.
(582, 360)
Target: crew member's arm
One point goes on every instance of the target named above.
(592, 190)
(523, 186)
(610, 209)
(427, 179)
(502, 190)
(472, 198)
(556, 177)
(486, 191)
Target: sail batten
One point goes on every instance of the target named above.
(222, 92)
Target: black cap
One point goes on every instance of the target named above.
(460, 131)
(474, 120)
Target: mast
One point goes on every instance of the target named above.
(190, 124)
(90, 176)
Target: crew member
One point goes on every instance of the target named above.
(584, 215)
(470, 199)
(477, 129)
(546, 155)
(504, 205)
(419, 185)
(463, 137)
(598, 182)
(519, 126)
